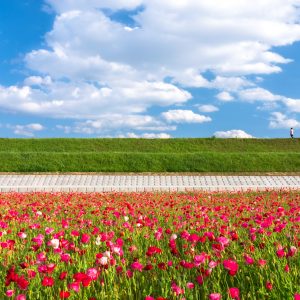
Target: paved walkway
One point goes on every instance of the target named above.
(103, 183)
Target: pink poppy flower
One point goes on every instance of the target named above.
(248, 259)
(231, 265)
(129, 273)
(280, 253)
(190, 285)
(65, 257)
(292, 251)
(103, 261)
(234, 293)
(210, 235)
(132, 248)
(22, 235)
(85, 238)
(193, 238)
(215, 296)
(223, 241)
(41, 257)
(137, 266)
(42, 269)
(158, 234)
(176, 289)
(173, 236)
(49, 230)
(262, 262)
(287, 268)
(200, 259)
(75, 233)
(92, 273)
(212, 264)
(9, 293)
(200, 279)
(75, 286)
(269, 285)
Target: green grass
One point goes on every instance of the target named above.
(143, 155)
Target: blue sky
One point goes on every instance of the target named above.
(151, 69)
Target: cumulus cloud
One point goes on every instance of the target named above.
(175, 38)
(207, 108)
(258, 94)
(94, 66)
(88, 101)
(225, 97)
(191, 78)
(28, 130)
(62, 6)
(146, 135)
(279, 120)
(37, 80)
(230, 84)
(184, 116)
(293, 105)
(270, 101)
(109, 123)
(236, 133)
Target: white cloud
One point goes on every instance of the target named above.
(35, 127)
(146, 135)
(225, 97)
(280, 121)
(207, 108)
(109, 122)
(258, 94)
(67, 5)
(26, 130)
(191, 78)
(236, 133)
(88, 101)
(292, 104)
(268, 106)
(270, 101)
(184, 116)
(37, 80)
(174, 39)
(230, 84)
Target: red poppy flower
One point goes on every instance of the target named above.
(48, 281)
(64, 294)
(231, 265)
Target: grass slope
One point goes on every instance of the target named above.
(144, 155)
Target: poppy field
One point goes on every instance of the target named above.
(196, 245)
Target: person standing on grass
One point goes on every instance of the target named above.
(292, 132)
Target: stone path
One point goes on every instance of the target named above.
(104, 183)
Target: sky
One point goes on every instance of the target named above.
(149, 68)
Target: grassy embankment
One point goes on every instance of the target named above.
(143, 155)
